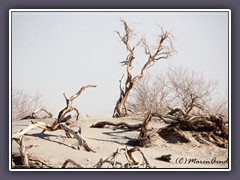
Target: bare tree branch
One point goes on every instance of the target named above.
(69, 102)
(62, 122)
(163, 51)
(24, 104)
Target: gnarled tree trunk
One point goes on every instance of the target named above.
(163, 50)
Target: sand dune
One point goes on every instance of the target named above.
(55, 147)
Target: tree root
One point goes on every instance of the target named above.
(178, 121)
(204, 128)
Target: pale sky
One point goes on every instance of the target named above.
(57, 52)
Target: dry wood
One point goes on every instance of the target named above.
(34, 124)
(179, 121)
(212, 126)
(69, 102)
(34, 116)
(24, 154)
(63, 126)
(62, 122)
(24, 160)
(19, 134)
(163, 50)
(72, 162)
(125, 125)
(34, 162)
(41, 109)
(76, 134)
(132, 161)
(145, 138)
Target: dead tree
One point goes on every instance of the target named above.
(163, 50)
(145, 138)
(62, 122)
(209, 128)
(204, 128)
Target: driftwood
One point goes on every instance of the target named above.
(34, 162)
(145, 139)
(24, 160)
(122, 125)
(72, 162)
(76, 134)
(34, 114)
(204, 128)
(62, 122)
(132, 161)
(178, 121)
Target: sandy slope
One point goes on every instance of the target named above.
(55, 148)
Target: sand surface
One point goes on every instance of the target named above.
(55, 147)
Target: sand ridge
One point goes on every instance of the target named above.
(55, 147)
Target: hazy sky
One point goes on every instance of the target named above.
(57, 52)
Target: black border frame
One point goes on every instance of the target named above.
(5, 5)
(123, 10)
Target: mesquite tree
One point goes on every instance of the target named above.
(179, 87)
(191, 90)
(24, 104)
(150, 94)
(162, 50)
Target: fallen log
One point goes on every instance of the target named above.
(122, 125)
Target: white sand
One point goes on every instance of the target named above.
(55, 148)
